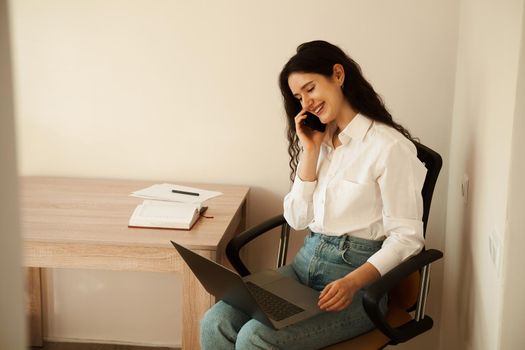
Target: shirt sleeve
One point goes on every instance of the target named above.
(401, 178)
(298, 204)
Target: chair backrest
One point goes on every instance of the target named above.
(433, 163)
(404, 295)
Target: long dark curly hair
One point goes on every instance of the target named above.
(320, 57)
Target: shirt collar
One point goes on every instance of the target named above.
(356, 129)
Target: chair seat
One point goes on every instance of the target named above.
(374, 339)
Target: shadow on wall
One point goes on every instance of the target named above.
(466, 290)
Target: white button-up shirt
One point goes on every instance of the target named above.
(369, 187)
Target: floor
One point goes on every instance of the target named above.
(84, 346)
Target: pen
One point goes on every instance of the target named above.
(184, 192)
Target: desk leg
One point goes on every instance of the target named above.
(34, 305)
(196, 301)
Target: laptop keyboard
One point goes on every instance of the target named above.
(277, 308)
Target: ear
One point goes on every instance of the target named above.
(339, 73)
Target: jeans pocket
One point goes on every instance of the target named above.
(355, 257)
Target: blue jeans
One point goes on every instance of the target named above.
(321, 260)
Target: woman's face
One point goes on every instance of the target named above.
(318, 94)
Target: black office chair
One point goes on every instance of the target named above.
(407, 284)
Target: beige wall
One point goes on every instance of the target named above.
(187, 91)
(12, 321)
(512, 315)
(485, 110)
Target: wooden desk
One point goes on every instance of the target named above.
(82, 223)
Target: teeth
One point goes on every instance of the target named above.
(318, 109)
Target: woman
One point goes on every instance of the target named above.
(356, 186)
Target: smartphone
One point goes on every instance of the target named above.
(312, 121)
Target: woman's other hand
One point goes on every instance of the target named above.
(338, 294)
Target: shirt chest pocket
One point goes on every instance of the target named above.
(357, 200)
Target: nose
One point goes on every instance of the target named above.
(307, 101)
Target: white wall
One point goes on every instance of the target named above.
(513, 317)
(187, 91)
(12, 320)
(485, 110)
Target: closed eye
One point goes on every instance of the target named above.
(309, 90)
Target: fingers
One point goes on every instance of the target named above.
(334, 298)
(328, 290)
(304, 133)
(310, 139)
(298, 119)
(330, 294)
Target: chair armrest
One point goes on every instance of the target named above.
(236, 243)
(382, 286)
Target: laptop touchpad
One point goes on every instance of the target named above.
(293, 291)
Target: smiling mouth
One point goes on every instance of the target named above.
(319, 109)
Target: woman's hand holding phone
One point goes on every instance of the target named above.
(310, 138)
(311, 141)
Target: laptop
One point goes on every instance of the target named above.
(267, 296)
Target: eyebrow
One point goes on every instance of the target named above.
(302, 87)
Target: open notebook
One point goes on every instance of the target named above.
(162, 214)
